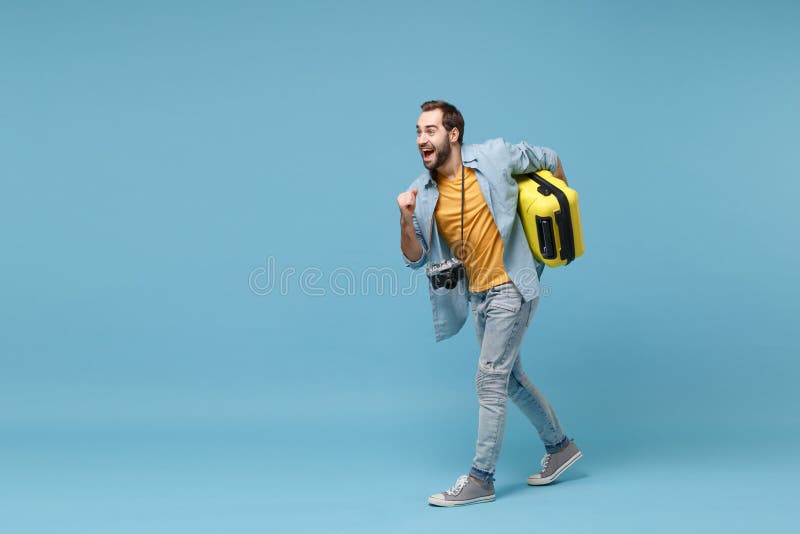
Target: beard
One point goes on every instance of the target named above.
(442, 153)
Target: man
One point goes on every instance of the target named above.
(500, 280)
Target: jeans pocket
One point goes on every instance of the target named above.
(508, 306)
(509, 300)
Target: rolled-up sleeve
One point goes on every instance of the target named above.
(526, 158)
(422, 259)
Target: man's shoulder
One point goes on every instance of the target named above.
(489, 144)
(496, 147)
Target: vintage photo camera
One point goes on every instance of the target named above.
(445, 274)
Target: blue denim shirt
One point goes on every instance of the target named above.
(495, 162)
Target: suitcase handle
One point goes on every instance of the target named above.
(564, 223)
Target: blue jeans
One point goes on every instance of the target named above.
(501, 319)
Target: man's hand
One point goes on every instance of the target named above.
(407, 201)
(560, 172)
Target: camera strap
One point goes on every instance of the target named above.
(462, 214)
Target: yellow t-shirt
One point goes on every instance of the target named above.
(482, 252)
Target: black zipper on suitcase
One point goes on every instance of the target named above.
(563, 218)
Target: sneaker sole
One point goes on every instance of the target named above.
(438, 501)
(547, 480)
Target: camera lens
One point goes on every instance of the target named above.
(446, 275)
(450, 280)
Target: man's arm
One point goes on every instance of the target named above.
(410, 242)
(526, 158)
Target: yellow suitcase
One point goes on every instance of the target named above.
(548, 209)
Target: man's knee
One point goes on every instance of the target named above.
(492, 386)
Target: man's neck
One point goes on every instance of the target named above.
(451, 168)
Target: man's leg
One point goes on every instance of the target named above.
(533, 404)
(561, 451)
(536, 408)
(503, 318)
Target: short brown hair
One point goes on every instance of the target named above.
(451, 117)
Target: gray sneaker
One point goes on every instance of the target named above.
(553, 464)
(465, 491)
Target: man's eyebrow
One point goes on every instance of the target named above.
(428, 126)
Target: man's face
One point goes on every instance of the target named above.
(432, 139)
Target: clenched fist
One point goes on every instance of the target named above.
(407, 201)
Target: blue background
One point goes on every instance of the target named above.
(156, 157)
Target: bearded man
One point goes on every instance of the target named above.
(459, 219)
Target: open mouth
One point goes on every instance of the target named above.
(427, 153)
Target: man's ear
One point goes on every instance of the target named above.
(454, 133)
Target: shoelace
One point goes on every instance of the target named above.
(545, 461)
(462, 481)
